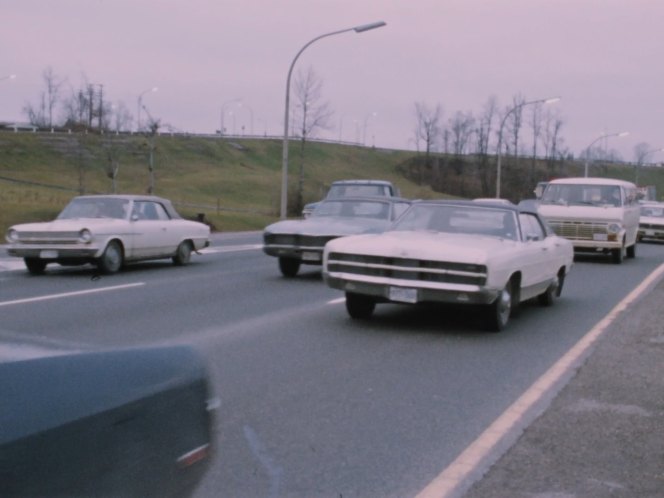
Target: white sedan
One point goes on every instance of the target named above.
(108, 231)
(466, 252)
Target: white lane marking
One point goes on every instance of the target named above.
(69, 294)
(454, 480)
(243, 247)
(8, 264)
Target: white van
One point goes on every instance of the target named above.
(596, 214)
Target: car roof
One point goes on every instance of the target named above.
(128, 197)
(361, 182)
(365, 198)
(592, 181)
(526, 208)
(469, 203)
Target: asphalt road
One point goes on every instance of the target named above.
(312, 403)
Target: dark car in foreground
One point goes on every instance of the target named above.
(130, 423)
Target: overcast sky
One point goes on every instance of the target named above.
(603, 57)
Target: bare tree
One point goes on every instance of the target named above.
(462, 129)
(641, 152)
(312, 114)
(42, 115)
(427, 130)
(483, 137)
(514, 123)
(121, 118)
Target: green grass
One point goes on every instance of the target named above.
(239, 182)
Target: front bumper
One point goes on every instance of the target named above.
(404, 291)
(54, 252)
(651, 233)
(312, 255)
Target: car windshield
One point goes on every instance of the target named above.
(582, 195)
(460, 219)
(337, 191)
(352, 209)
(90, 207)
(653, 211)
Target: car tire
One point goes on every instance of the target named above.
(182, 254)
(359, 307)
(631, 251)
(112, 259)
(498, 313)
(548, 297)
(618, 255)
(35, 266)
(289, 266)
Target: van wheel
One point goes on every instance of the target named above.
(631, 251)
(618, 255)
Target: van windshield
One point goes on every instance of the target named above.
(582, 195)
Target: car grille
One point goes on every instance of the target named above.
(48, 237)
(578, 230)
(651, 226)
(297, 240)
(408, 269)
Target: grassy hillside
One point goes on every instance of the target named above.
(237, 183)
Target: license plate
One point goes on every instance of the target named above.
(403, 295)
(600, 236)
(311, 256)
(46, 254)
(650, 232)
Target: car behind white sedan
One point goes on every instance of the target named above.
(466, 252)
(297, 242)
(108, 231)
(651, 222)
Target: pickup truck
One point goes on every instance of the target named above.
(354, 188)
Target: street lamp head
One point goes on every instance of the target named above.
(622, 134)
(552, 100)
(367, 27)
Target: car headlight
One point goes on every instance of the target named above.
(11, 235)
(614, 228)
(85, 236)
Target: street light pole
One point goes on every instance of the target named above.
(606, 135)
(138, 106)
(364, 130)
(223, 113)
(284, 157)
(500, 133)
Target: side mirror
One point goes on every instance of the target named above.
(120, 423)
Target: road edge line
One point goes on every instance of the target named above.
(495, 440)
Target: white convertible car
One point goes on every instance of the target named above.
(108, 231)
(464, 252)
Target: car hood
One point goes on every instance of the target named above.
(69, 225)
(652, 220)
(328, 226)
(574, 212)
(434, 246)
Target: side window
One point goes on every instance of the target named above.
(146, 210)
(531, 227)
(399, 209)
